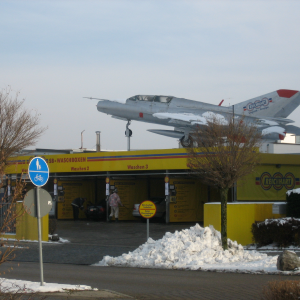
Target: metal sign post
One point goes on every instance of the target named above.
(147, 210)
(38, 172)
(107, 195)
(38, 208)
(128, 134)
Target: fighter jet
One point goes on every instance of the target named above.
(269, 112)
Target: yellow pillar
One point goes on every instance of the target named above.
(27, 227)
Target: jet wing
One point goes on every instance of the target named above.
(271, 126)
(273, 121)
(170, 133)
(189, 119)
(292, 129)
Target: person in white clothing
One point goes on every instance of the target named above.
(114, 201)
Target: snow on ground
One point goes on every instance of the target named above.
(13, 285)
(61, 240)
(196, 248)
(279, 222)
(295, 191)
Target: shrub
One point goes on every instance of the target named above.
(283, 232)
(281, 290)
(293, 204)
(13, 291)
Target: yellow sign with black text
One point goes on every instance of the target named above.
(143, 160)
(147, 209)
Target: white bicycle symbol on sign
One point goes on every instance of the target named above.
(38, 178)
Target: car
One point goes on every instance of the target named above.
(160, 204)
(96, 211)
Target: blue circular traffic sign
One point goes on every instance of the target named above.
(38, 171)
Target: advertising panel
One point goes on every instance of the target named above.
(269, 182)
(107, 161)
(187, 201)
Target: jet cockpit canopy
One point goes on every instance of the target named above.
(151, 98)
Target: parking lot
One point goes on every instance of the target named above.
(89, 241)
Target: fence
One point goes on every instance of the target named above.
(7, 209)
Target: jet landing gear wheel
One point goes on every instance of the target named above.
(130, 132)
(186, 142)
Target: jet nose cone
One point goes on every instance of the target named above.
(103, 105)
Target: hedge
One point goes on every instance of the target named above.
(293, 204)
(283, 232)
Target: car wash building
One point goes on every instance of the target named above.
(145, 174)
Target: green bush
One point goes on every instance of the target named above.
(293, 205)
(284, 232)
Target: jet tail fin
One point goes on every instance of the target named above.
(280, 103)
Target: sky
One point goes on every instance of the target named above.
(57, 52)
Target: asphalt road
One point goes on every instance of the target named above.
(90, 241)
(151, 283)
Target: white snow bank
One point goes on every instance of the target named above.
(279, 222)
(269, 122)
(273, 129)
(61, 240)
(295, 191)
(193, 249)
(13, 285)
(193, 119)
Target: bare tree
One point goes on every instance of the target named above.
(19, 128)
(221, 155)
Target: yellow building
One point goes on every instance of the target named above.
(140, 175)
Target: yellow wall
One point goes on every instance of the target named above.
(240, 217)
(27, 227)
(74, 189)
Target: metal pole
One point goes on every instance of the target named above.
(38, 206)
(82, 139)
(128, 143)
(167, 204)
(98, 147)
(128, 135)
(107, 197)
(147, 229)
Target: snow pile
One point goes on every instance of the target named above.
(274, 129)
(278, 222)
(208, 116)
(194, 249)
(295, 191)
(14, 285)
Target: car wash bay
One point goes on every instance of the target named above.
(138, 175)
(141, 175)
(186, 195)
